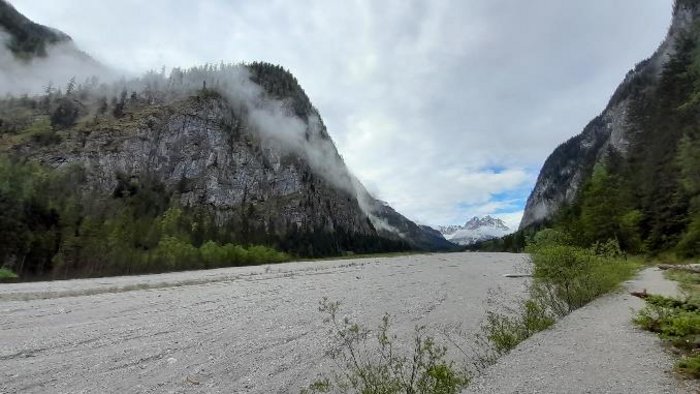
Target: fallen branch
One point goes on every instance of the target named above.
(641, 294)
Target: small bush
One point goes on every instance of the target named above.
(66, 114)
(689, 366)
(376, 364)
(610, 249)
(6, 275)
(505, 331)
(577, 275)
(45, 138)
(549, 237)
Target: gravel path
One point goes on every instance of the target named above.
(596, 349)
(252, 329)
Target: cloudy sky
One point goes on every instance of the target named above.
(444, 108)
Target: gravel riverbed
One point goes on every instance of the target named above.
(248, 329)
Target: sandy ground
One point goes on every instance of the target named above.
(596, 349)
(252, 329)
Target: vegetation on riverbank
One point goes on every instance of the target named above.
(371, 361)
(50, 230)
(565, 278)
(677, 321)
(7, 275)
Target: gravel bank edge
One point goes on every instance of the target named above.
(595, 349)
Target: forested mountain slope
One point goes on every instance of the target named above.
(633, 173)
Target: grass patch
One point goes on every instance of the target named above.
(689, 366)
(6, 275)
(677, 321)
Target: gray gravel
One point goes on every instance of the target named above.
(596, 349)
(253, 329)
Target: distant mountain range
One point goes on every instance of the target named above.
(475, 230)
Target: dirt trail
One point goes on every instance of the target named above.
(596, 349)
(253, 329)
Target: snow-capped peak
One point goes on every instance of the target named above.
(475, 230)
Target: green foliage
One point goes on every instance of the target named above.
(565, 278)
(369, 363)
(505, 331)
(649, 199)
(677, 321)
(689, 162)
(577, 276)
(514, 242)
(49, 229)
(601, 206)
(6, 275)
(66, 114)
(610, 249)
(689, 244)
(689, 366)
(549, 237)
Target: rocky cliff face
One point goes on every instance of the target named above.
(566, 169)
(206, 158)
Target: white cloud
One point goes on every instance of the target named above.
(423, 98)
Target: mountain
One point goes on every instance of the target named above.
(421, 237)
(631, 173)
(33, 56)
(26, 38)
(475, 230)
(172, 171)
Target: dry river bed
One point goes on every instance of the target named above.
(248, 329)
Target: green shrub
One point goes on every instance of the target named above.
(376, 364)
(577, 275)
(610, 248)
(549, 237)
(565, 278)
(176, 254)
(215, 255)
(505, 330)
(689, 366)
(6, 275)
(689, 244)
(677, 322)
